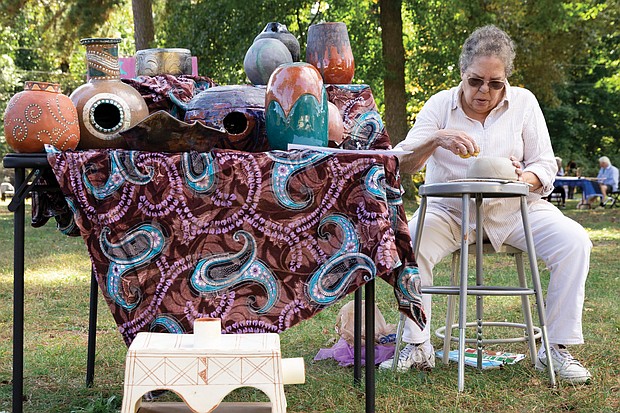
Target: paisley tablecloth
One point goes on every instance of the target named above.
(260, 240)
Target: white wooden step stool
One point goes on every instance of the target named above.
(203, 373)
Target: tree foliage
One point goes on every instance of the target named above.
(567, 54)
(567, 50)
(39, 40)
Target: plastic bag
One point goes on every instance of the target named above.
(384, 333)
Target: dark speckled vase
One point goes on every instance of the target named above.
(329, 50)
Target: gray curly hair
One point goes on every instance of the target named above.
(488, 41)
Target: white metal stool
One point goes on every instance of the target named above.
(478, 191)
(532, 333)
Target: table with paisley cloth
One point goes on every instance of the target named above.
(260, 240)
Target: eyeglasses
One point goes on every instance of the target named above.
(493, 84)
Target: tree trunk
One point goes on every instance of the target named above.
(394, 94)
(144, 31)
(393, 51)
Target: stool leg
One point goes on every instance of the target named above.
(479, 281)
(278, 399)
(399, 338)
(447, 339)
(537, 288)
(463, 291)
(527, 312)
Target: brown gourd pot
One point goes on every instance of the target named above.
(105, 105)
(40, 115)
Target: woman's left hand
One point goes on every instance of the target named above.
(518, 169)
(527, 177)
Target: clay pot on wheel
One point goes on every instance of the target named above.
(105, 105)
(41, 115)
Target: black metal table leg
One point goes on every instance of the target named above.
(369, 325)
(92, 330)
(19, 220)
(369, 298)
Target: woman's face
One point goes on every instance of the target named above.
(478, 101)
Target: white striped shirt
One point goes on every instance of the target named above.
(515, 127)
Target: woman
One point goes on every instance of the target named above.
(558, 189)
(485, 115)
(607, 177)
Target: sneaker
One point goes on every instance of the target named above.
(565, 366)
(418, 356)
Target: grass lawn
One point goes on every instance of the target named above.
(57, 288)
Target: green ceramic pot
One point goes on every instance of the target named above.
(279, 31)
(263, 57)
(296, 107)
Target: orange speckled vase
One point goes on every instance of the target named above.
(329, 50)
(335, 128)
(41, 115)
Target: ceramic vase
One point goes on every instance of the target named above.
(275, 30)
(335, 124)
(105, 105)
(263, 57)
(237, 110)
(296, 107)
(40, 115)
(329, 50)
(153, 62)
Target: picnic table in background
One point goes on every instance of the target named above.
(590, 187)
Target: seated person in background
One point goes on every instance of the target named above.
(558, 161)
(486, 114)
(571, 170)
(559, 189)
(607, 177)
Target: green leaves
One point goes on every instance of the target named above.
(568, 52)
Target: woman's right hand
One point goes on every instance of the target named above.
(457, 142)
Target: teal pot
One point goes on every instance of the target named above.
(296, 107)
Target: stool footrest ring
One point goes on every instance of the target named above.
(479, 290)
(440, 332)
